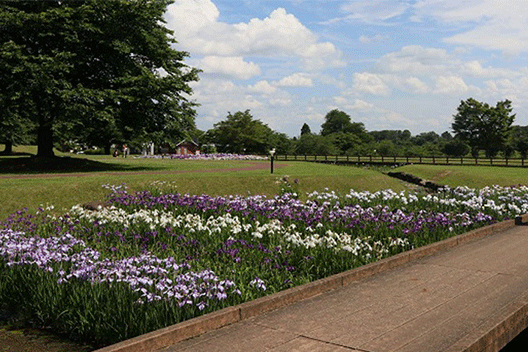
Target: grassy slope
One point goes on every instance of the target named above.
(471, 176)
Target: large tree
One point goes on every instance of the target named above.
(97, 70)
(483, 127)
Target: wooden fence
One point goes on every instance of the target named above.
(431, 160)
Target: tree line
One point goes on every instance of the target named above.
(98, 73)
(478, 129)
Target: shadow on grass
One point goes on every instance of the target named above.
(38, 165)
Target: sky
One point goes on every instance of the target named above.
(389, 64)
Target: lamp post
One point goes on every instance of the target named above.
(272, 153)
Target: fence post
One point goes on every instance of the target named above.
(315, 157)
(434, 160)
(506, 161)
(476, 161)
(407, 159)
(382, 158)
(420, 159)
(326, 157)
(371, 158)
(461, 160)
(347, 158)
(491, 161)
(447, 160)
(522, 161)
(359, 159)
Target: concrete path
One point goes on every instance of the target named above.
(473, 297)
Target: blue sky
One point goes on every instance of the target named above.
(389, 64)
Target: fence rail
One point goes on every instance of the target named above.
(432, 160)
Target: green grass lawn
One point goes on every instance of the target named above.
(188, 176)
(88, 173)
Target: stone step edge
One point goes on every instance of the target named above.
(495, 333)
(170, 335)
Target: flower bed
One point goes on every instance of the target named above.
(219, 156)
(154, 258)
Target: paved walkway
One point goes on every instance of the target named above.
(473, 297)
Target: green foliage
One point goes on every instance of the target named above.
(519, 140)
(305, 129)
(314, 144)
(240, 133)
(287, 187)
(93, 71)
(336, 121)
(455, 147)
(397, 136)
(425, 137)
(483, 127)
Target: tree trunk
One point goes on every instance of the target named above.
(45, 138)
(8, 148)
(107, 149)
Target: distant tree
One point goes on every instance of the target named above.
(14, 129)
(425, 137)
(282, 144)
(455, 147)
(396, 136)
(240, 133)
(446, 136)
(336, 121)
(92, 70)
(519, 140)
(305, 129)
(344, 141)
(483, 127)
(386, 148)
(315, 144)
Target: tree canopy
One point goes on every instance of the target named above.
(305, 129)
(101, 71)
(240, 133)
(483, 127)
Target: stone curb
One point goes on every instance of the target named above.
(170, 335)
(494, 334)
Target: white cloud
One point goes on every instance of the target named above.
(416, 85)
(197, 29)
(373, 11)
(415, 60)
(450, 85)
(378, 38)
(494, 25)
(363, 105)
(234, 67)
(370, 83)
(262, 87)
(474, 68)
(280, 101)
(218, 96)
(296, 80)
(192, 14)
